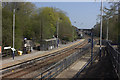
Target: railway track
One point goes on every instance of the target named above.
(55, 69)
(42, 63)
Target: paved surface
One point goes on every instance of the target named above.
(35, 54)
(100, 69)
(74, 68)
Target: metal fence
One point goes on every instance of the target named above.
(54, 70)
(96, 54)
(60, 66)
(7, 53)
(115, 58)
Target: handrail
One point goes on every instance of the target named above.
(61, 65)
(88, 62)
(115, 58)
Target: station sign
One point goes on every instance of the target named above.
(7, 47)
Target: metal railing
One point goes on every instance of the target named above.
(54, 70)
(96, 54)
(115, 58)
(8, 53)
(60, 66)
(33, 61)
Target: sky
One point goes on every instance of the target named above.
(82, 14)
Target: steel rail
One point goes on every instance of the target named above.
(52, 55)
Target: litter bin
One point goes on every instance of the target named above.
(20, 53)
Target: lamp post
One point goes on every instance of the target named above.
(119, 25)
(14, 10)
(41, 34)
(73, 34)
(73, 31)
(107, 30)
(101, 30)
(57, 32)
(13, 31)
(41, 29)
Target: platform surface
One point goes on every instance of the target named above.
(19, 59)
(72, 70)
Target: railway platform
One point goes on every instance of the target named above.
(100, 69)
(78, 65)
(35, 54)
(72, 70)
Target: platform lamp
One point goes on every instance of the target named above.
(13, 49)
(119, 25)
(57, 29)
(59, 18)
(73, 30)
(41, 33)
(101, 30)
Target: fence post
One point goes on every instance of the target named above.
(119, 64)
(91, 45)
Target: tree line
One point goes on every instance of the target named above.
(34, 23)
(111, 18)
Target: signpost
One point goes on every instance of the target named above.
(13, 49)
